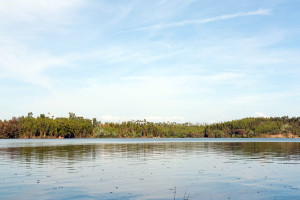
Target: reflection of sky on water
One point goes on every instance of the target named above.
(125, 169)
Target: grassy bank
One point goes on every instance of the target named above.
(79, 127)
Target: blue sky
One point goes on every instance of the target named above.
(169, 60)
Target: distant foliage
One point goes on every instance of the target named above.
(79, 127)
(247, 128)
(45, 127)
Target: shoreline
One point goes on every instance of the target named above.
(279, 136)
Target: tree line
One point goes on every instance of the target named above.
(46, 127)
(79, 127)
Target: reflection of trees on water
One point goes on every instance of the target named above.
(77, 153)
(263, 150)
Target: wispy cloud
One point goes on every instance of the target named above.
(20, 63)
(31, 10)
(202, 21)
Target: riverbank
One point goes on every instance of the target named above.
(289, 135)
(79, 127)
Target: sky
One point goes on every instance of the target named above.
(162, 60)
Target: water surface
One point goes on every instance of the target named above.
(150, 169)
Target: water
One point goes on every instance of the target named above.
(160, 169)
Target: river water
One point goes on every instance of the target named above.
(160, 169)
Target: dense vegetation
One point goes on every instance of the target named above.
(79, 127)
(46, 127)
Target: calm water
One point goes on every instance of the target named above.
(150, 169)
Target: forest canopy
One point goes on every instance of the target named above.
(78, 127)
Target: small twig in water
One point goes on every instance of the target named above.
(174, 192)
(186, 198)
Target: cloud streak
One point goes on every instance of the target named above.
(202, 21)
(32, 11)
(20, 63)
